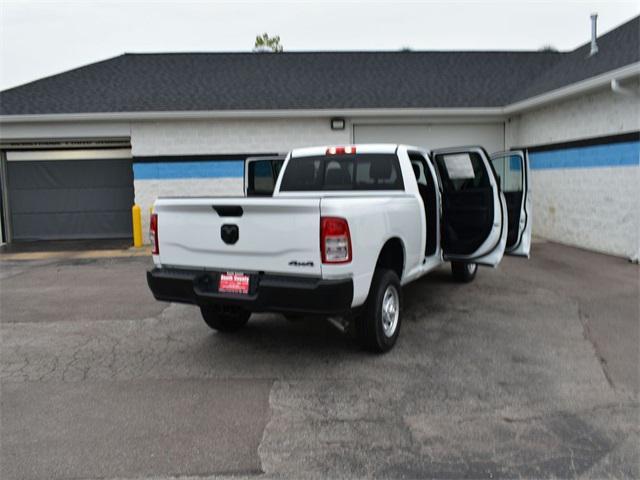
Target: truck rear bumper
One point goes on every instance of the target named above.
(267, 293)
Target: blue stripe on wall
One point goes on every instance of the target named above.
(201, 169)
(609, 155)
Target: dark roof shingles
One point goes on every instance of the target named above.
(616, 49)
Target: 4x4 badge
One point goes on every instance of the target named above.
(295, 263)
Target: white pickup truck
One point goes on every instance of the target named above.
(344, 229)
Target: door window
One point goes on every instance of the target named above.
(511, 177)
(509, 170)
(427, 190)
(418, 170)
(462, 171)
(467, 199)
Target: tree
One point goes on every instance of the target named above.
(265, 43)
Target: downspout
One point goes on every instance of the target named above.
(619, 89)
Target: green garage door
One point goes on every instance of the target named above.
(70, 194)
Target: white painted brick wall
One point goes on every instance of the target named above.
(594, 115)
(232, 136)
(146, 192)
(595, 208)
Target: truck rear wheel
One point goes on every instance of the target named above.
(464, 272)
(378, 325)
(225, 318)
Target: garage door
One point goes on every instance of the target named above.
(70, 194)
(488, 135)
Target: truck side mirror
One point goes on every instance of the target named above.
(260, 178)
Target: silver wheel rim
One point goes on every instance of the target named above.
(471, 268)
(390, 310)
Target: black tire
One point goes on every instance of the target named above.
(464, 272)
(225, 318)
(371, 324)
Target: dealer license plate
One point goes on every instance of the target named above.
(234, 283)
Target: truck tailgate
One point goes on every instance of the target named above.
(274, 235)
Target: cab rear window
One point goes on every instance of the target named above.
(369, 171)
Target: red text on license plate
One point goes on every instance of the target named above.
(234, 283)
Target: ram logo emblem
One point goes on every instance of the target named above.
(229, 233)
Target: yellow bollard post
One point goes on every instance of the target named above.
(137, 225)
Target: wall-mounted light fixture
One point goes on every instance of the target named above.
(337, 124)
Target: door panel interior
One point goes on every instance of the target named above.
(467, 202)
(511, 175)
(514, 204)
(428, 192)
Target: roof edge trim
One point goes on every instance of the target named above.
(568, 91)
(573, 89)
(267, 114)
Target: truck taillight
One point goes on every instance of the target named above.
(335, 240)
(153, 234)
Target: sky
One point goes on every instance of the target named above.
(41, 38)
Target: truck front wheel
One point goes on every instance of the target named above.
(378, 325)
(464, 272)
(225, 318)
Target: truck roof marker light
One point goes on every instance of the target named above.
(349, 150)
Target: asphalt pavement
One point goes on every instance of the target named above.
(530, 371)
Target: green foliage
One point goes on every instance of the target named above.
(265, 43)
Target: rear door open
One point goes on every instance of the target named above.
(474, 212)
(512, 168)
